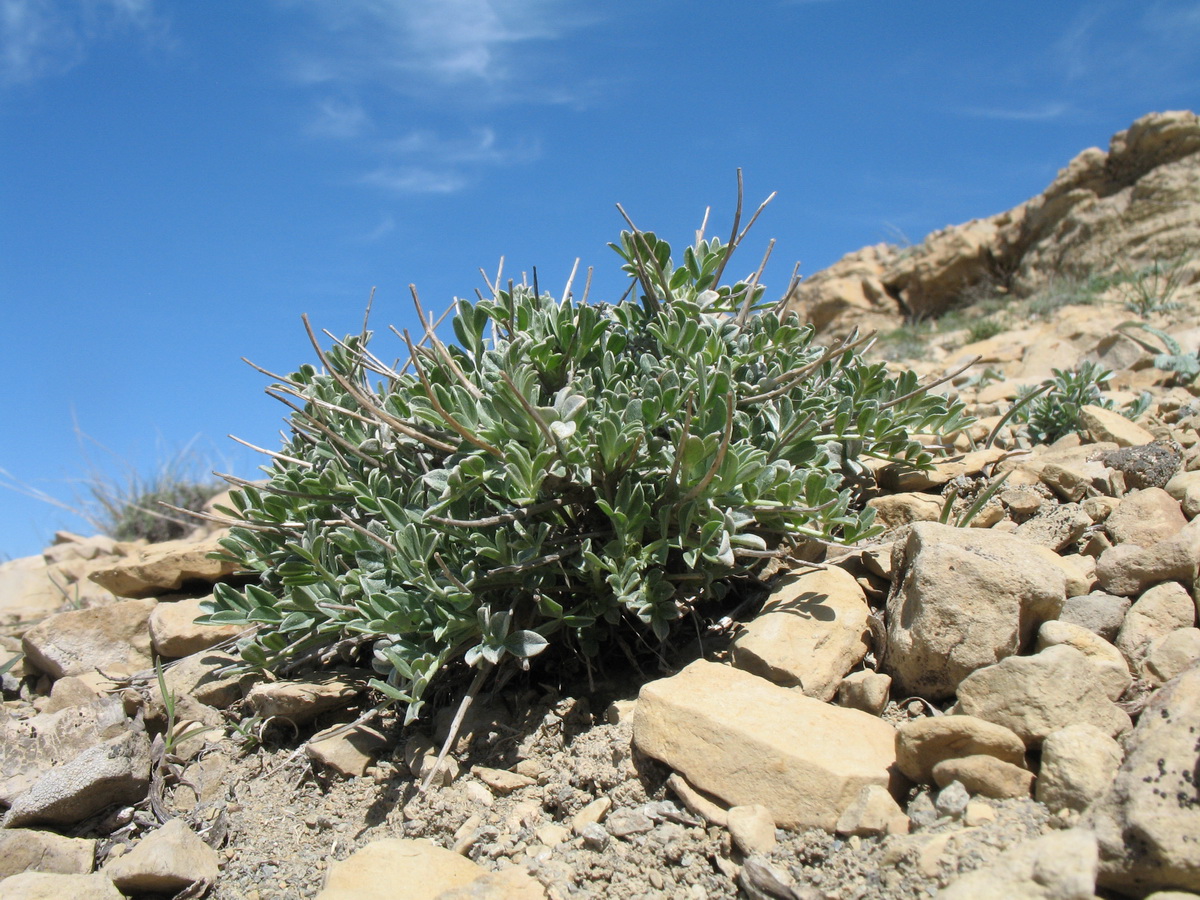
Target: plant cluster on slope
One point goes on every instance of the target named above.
(565, 471)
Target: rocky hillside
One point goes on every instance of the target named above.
(1106, 213)
(999, 698)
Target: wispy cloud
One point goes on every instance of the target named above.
(414, 180)
(426, 162)
(1042, 112)
(42, 38)
(418, 48)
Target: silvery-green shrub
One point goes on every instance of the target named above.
(563, 470)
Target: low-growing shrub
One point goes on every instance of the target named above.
(565, 471)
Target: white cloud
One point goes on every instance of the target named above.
(1042, 112)
(418, 47)
(415, 180)
(339, 119)
(43, 38)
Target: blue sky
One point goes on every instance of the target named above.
(179, 181)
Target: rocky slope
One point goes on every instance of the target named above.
(1134, 206)
(1004, 709)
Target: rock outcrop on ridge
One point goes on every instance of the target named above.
(1136, 204)
(1000, 697)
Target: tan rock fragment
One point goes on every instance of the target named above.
(1057, 866)
(303, 701)
(165, 567)
(873, 812)
(1145, 518)
(923, 743)
(811, 632)
(26, 850)
(1156, 614)
(747, 741)
(167, 860)
(1153, 798)
(1171, 655)
(985, 775)
(46, 886)
(1037, 695)
(1079, 763)
(348, 753)
(964, 599)
(1109, 425)
(752, 829)
(113, 638)
(500, 780)
(865, 690)
(174, 632)
(1111, 667)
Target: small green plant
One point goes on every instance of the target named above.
(171, 740)
(1186, 366)
(982, 329)
(1150, 289)
(1051, 410)
(566, 472)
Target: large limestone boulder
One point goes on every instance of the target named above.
(1149, 819)
(811, 632)
(964, 599)
(746, 741)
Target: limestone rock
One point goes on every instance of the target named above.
(1185, 487)
(46, 886)
(303, 701)
(1098, 612)
(1111, 667)
(1148, 820)
(117, 771)
(747, 741)
(1056, 528)
(1057, 866)
(113, 638)
(898, 477)
(985, 775)
(346, 752)
(1079, 763)
(1109, 425)
(865, 690)
(1171, 655)
(1127, 569)
(174, 632)
(964, 599)
(1035, 696)
(400, 869)
(752, 829)
(923, 743)
(29, 589)
(894, 510)
(873, 812)
(507, 884)
(164, 568)
(1145, 518)
(30, 747)
(810, 633)
(1157, 613)
(202, 676)
(26, 850)
(165, 861)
